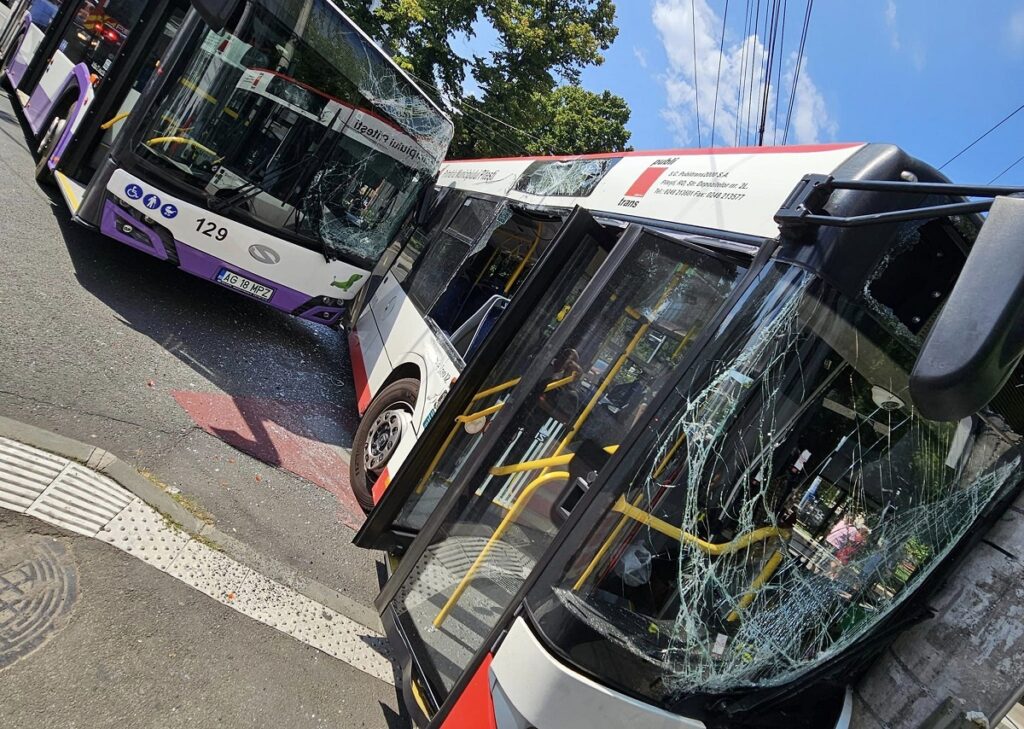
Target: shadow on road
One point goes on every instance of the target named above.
(251, 352)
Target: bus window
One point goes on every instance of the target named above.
(293, 120)
(43, 12)
(98, 31)
(449, 252)
(792, 459)
(494, 267)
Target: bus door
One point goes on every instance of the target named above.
(25, 37)
(104, 58)
(504, 502)
(547, 294)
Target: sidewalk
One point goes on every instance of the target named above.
(106, 624)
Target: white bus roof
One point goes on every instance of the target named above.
(737, 189)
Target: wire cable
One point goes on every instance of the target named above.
(796, 71)
(718, 76)
(992, 129)
(696, 88)
(1019, 160)
(778, 75)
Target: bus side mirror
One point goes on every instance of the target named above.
(978, 338)
(215, 13)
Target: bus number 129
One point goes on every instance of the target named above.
(210, 229)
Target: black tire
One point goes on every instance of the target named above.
(47, 144)
(370, 459)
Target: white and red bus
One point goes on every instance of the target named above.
(741, 413)
(431, 299)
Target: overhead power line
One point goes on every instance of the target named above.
(992, 129)
(718, 76)
(796, 71)
(696, 89)
(1017, 162)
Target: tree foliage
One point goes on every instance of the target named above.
(528, 81)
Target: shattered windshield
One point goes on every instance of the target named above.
(292, 117)
(789, 499)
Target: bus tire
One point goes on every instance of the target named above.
(47, 145)
(378, 435)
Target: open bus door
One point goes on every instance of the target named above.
(84, 80)
(709, 497)
(547, 295)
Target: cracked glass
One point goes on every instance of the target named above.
(295, 119)
(788, 498)
(569, 403)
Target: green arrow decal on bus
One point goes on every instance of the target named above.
(346, 285)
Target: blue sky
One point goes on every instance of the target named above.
(928, 76)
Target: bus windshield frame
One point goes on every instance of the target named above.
(754, 406)
(294, 122)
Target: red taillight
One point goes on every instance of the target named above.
(99, 27)
(111, 35)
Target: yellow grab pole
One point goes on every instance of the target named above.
(561, 460)
(522, 264)
(437, 458)
(659, 525)
(766, 574)
(111, 122)
(510, 517)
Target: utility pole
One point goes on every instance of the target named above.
(964, 667)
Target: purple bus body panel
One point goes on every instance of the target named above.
(207, 266)
(108, 226)
(81, 73)
(16, 71)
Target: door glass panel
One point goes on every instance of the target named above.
(97, 32)
(787, 499)
(577, 398)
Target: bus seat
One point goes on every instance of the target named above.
(469, 336)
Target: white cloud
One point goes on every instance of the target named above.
(890, 23)
(641, 56)
(736, 108)
(1016, 27)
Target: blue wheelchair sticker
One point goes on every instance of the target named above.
(151, 201)
(169, 210)
(133, 191)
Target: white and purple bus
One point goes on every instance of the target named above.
(266, 145)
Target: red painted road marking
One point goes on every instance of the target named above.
(293, 436)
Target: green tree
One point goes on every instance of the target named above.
(529, 81)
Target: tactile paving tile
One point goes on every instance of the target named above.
(315, 625)
(140, 531)
(210, 572)
(80, 500)
(25, 473)
(66, 494)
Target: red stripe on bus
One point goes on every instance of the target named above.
(645, 181)
(380, 485)
(794, 149)
(359, 378)
(475, 707)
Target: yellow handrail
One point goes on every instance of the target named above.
(111, 122)
(659, 525)
(181, 140)
(766, 574)
(510, 517)
(562, 460)
(526, 259)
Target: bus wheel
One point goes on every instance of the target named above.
(384, 424)
(46, 147)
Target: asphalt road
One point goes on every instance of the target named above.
(167, 657)
(109, 346)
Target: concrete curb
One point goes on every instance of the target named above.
(129, 478)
